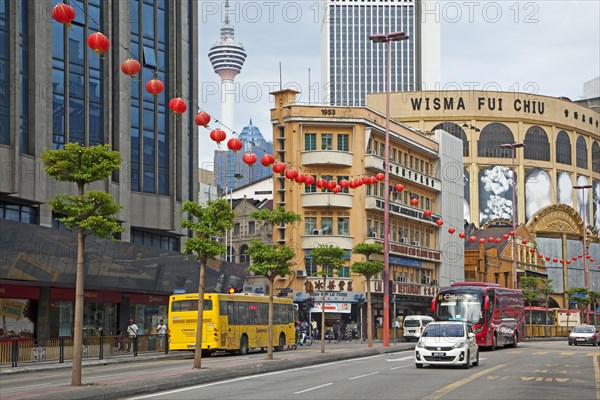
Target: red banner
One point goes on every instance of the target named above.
(19, 292)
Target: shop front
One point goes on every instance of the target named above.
(147, 310)
(18, 311)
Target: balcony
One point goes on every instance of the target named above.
(411, 250)
(375, 162)
(327, 157)
(311, 241)
(416, 214)
(327, 199)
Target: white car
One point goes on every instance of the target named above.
(447, 343)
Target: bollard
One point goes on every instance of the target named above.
(166, 345)
(61, 349)
(101, 352)
(15, 353)
(135, 346)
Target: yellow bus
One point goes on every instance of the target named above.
(232, 322)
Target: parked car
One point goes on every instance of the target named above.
(584, 334)
(447, 343)
(414, 325)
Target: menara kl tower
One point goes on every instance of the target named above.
(227, 57)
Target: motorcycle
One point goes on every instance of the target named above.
(329, 335)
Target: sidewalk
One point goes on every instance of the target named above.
(121, 387)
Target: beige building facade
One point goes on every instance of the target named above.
(340, 144)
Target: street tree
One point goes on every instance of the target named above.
(207, 225)
(528, 285)
(88, 213)
(546, 289)
(330, 258)
(270, 260)
(595, 301)
(368, 269)
(581, 296)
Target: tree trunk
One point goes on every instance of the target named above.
(323, 315)
(546, 321)
(78, 317)
(369, 315)
(270, 346)
(199, 324)
(530, 320)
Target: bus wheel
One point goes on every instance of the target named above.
(494, 343)
(281, 344)
(205, 353)
(243, 345)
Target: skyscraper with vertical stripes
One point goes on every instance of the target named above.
(352, 66)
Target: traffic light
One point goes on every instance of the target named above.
(311, 301)
(231, 290)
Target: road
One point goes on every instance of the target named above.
(534, 370)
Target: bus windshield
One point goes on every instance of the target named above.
(460, 307)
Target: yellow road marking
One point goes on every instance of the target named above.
(567, 353)
(447, 389)
(540, 353)
(597, 376)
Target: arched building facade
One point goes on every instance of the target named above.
(561, 155)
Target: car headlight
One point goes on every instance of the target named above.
(459, 344)
(420, 344)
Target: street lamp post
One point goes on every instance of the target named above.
(586, 276)
(514, 147)
(388, 39)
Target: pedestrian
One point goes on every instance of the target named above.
(132, 332)
(315, 328)
(161, 329)
(336, 330)
(303, 331)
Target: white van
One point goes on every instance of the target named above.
(414, 326)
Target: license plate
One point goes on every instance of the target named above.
(580, 339)
(438, 354)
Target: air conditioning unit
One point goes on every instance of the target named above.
(373, 152)
(416, 243)
(403, 240)
(316, 232)
(428, 280)
(301, 273)
(372, 233)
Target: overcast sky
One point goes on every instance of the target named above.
(548, 47)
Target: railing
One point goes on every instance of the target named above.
(17, 350)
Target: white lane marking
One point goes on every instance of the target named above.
(362, 376)
(313, 388)
(19, 388)
(403, 366)
(400, 359)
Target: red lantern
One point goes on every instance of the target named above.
(267, 160)
(524, 241)
(234, 144)
(512, 233)
(481, 241)
(399, 188)
(344, 183)
(249, 158)
(505, 236)
(427, 213)
(351, 184)
(63, 14)
(587, 256)
(336, 189)
(309, 180)
(591, 260)
(300, 178)
(279, 167)
(540, 256)
(366, 180)
(331, 184)
(177, 105)
(574, 258)
(498, 240)
(131, 67)
(202, 119)
(568, 262)
(451, 231)
(555, 259)
(472, 238)
(562, 261)
(439, 222)
(580, 256)
(291, 174)
(321, 183)
(218, 135)
(462, 235)
(547, 258)
(98, 42)
(154, 86)
(532, 251)
(414, 202)
(373, 180)
(490, 239)
(380, 176)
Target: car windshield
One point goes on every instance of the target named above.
(444, 330)
(584, 329)
(411, 323)
(460, 306)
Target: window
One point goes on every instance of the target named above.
(457, 131)
(251, 228)
(563, 148)
(343, 142)
(595, 157)
(310, 141)
(490, 139)
(154, 239)
(344, 226)
(326, 141)
(343, 272)
(310, 223)
(536, 143)
(327, 225)
(311, 268)
(581, 150)
(5, 13)
(236, 229)
(230, 254)
(244, 256)
(18, 213)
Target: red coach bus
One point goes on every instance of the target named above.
(496, 313)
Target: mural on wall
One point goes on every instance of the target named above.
(467, 197)
(564, 188)
(596, 204)
(538, 191)
(583, 199)
(495, 193)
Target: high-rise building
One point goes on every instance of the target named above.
(230, 170)
(227, 57)
(352, 66)
(54, 89)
